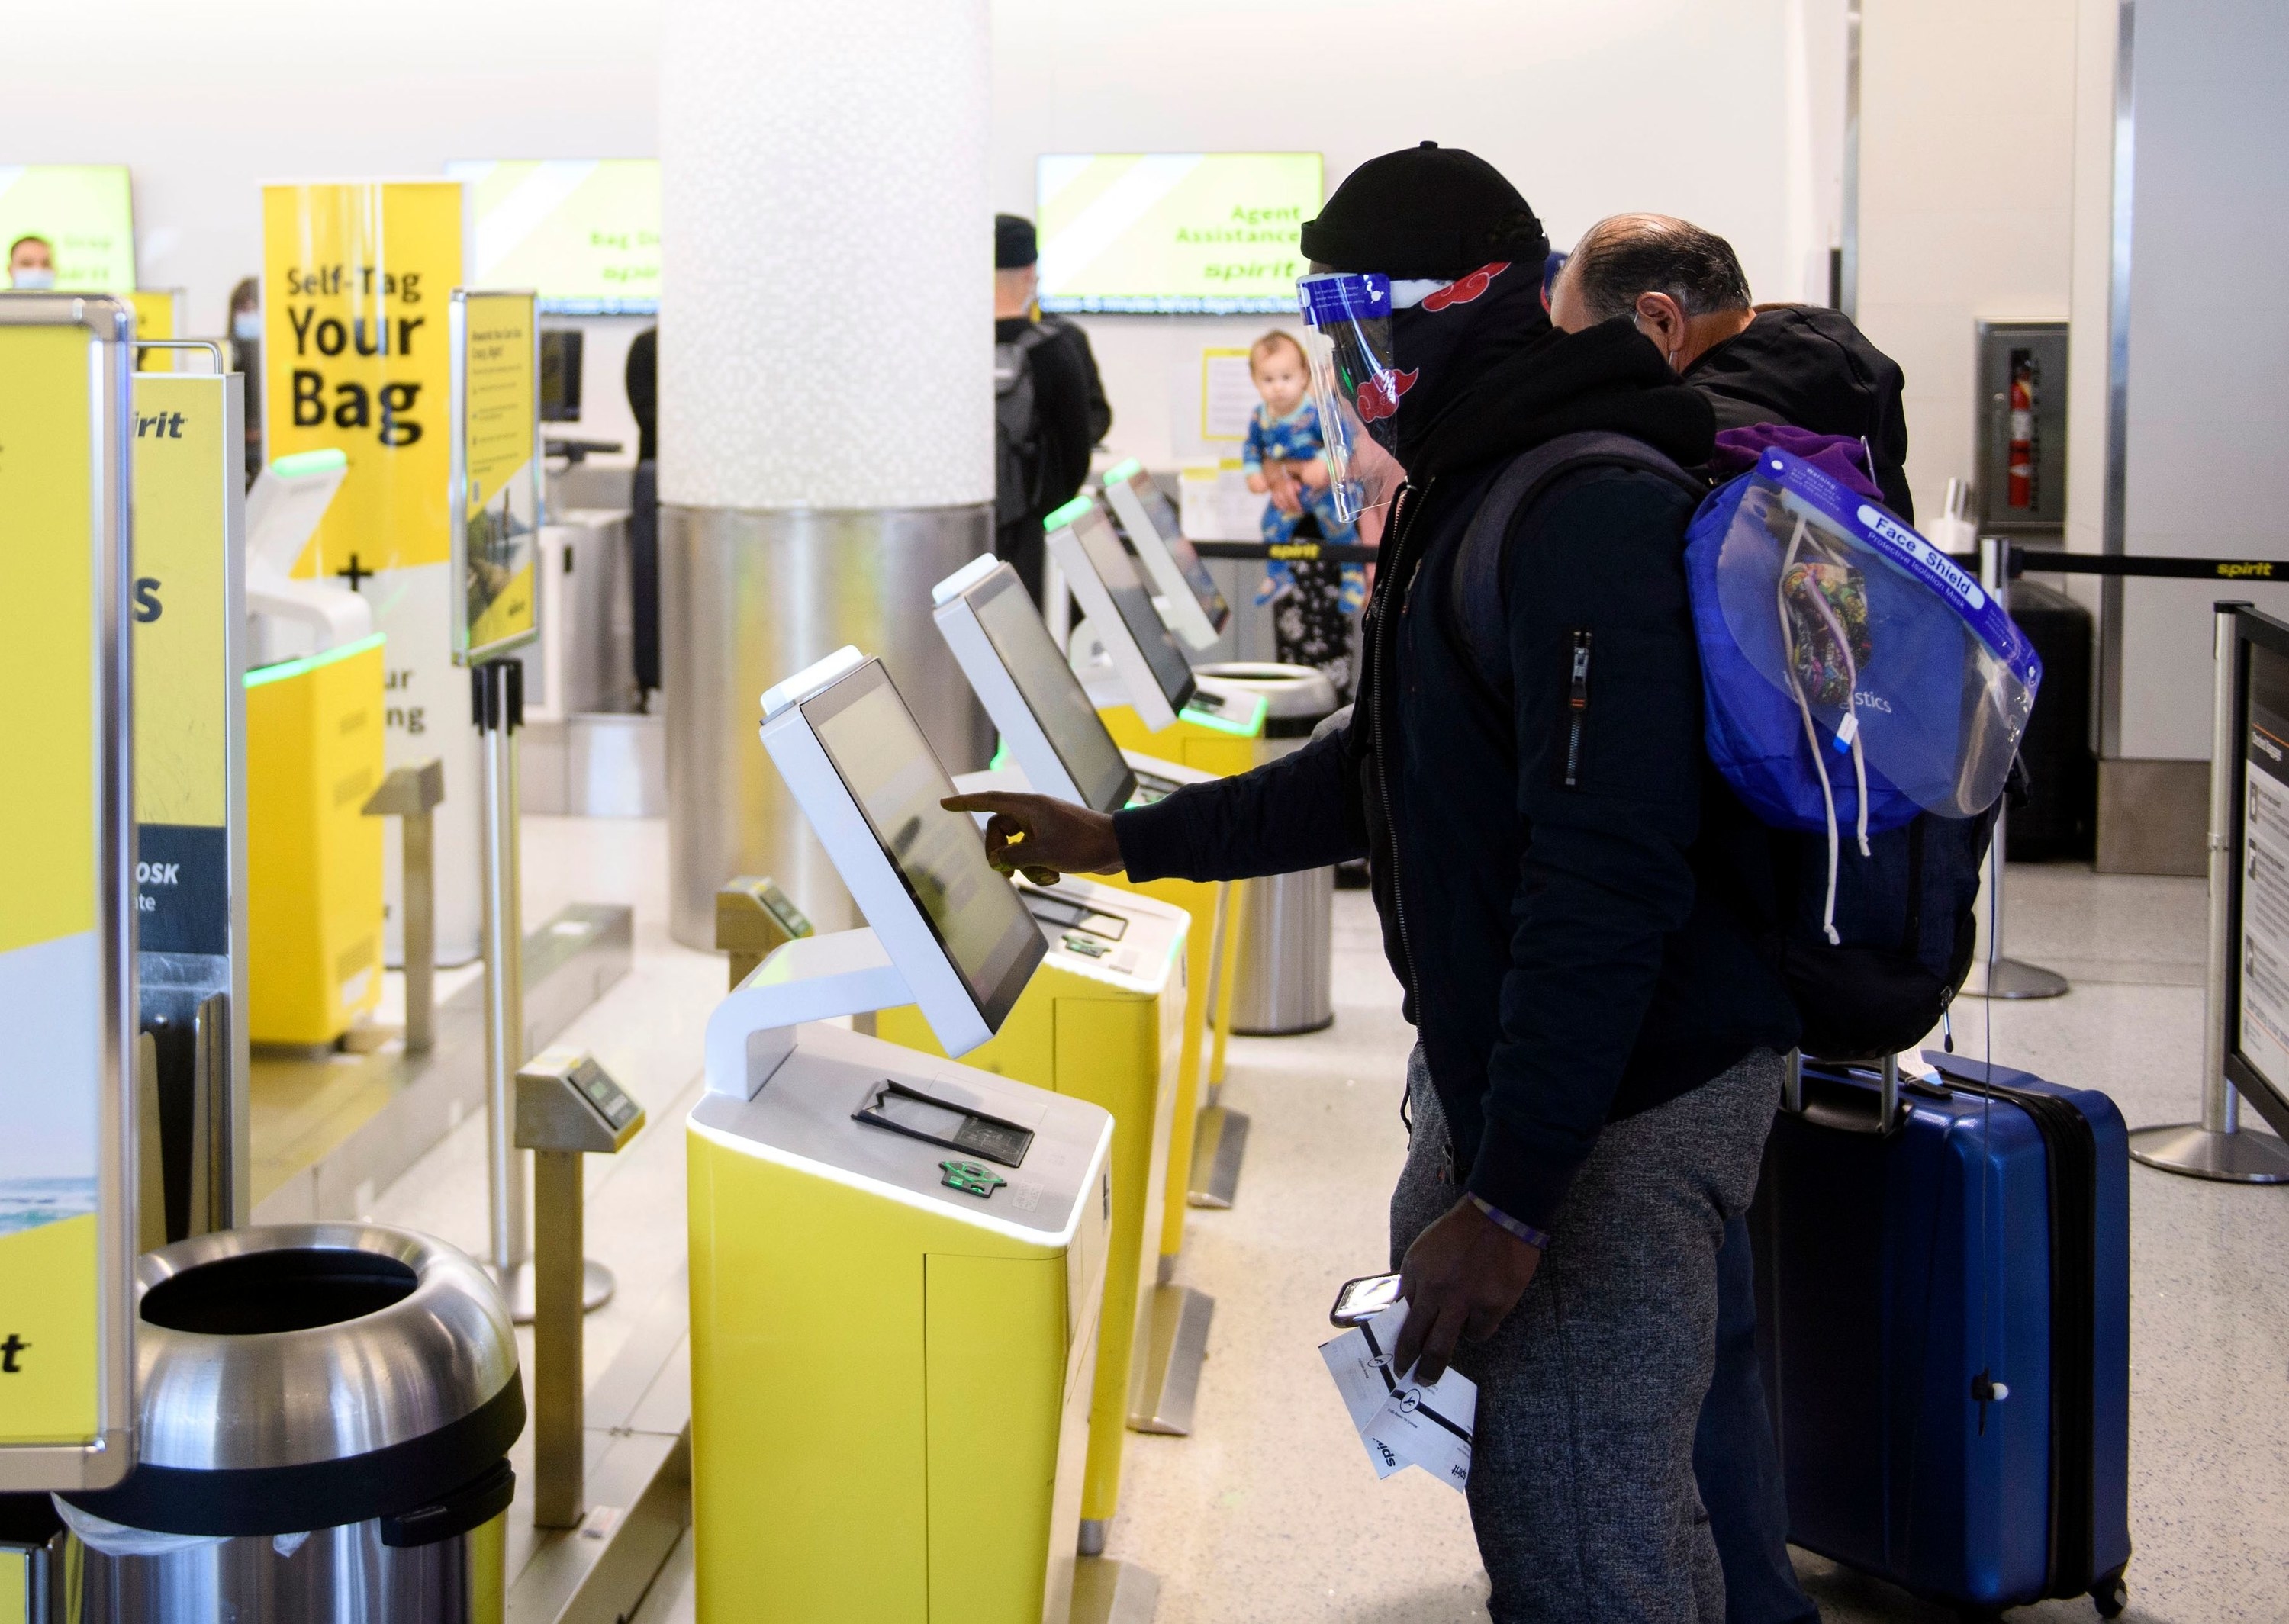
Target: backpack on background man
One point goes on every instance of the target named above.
(1019, 465)
(1877, 882)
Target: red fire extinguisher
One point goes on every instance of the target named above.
(2022, 486)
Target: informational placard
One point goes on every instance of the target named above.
(1215, 233)
(187, 610)
(2262, 942)
(65, 987)
(189, 514)
(582, 233)
(495, 471)
(82, 212)
(1228, 397)
(357, 356)
(1214, 504)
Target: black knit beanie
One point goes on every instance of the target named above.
(1013, 243)
(1425, 211)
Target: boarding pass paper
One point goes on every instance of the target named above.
(1403, 1424)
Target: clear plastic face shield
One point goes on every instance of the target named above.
(1355, 386)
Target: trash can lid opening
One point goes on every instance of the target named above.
(259, 1293)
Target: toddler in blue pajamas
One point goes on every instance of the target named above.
(1284, 453)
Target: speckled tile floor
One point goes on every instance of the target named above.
(1268, 1512)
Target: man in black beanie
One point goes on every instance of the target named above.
(1048, 405)
(1600, 1045)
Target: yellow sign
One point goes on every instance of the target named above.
(52, 1001)
(496, 400)
(356, 356)
(186, 474)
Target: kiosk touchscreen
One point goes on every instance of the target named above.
(958, 1221)
(1018, 673)
(870, 783)
(1102, 575)
(1190, 602)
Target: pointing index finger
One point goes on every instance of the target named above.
(983, 801)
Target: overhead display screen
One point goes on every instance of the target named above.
(1207, 232)
(83, 212)
(582, 233)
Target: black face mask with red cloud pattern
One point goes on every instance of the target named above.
(1448, 339)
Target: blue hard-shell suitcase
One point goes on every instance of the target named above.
(1943, 1317)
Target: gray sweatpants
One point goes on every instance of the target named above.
(1582, 1491)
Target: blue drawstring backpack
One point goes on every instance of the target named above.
(1854, 680)
(1855, 674)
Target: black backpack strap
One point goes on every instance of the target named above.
(1476, 614)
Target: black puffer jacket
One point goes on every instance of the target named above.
(1809, 366)
(1572, 953)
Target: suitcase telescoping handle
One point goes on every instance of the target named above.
(1841, 1106)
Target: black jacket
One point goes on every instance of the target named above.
(1571, 954)
(1809, 366)
(1069, 405)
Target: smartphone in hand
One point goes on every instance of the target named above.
(1362, 1300)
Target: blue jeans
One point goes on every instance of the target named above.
(1735, 1460)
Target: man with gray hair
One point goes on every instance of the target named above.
(1683, 289)
(1803, 365)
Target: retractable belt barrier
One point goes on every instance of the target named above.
(2046, 561)
(2039, 560)
(1290, 552)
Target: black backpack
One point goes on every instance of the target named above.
(1905, 912)
(1017, 468)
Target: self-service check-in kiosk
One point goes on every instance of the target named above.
(1151, 698)
(1056, 743)
(1106, 1018)
(1189, 599)
(898, 1261)
(315, 710)
(1103, 1020)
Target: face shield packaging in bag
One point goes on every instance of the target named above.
(1855, 676)
(1355, 386)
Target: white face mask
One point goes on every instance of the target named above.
(1668, 355)
(33, 278)
(246, 326)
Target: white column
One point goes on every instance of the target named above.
(826, 393)
(828, 290)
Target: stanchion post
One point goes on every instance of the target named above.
(566, 1109)
(1994, 973)
(497, 696)
(411, 794)
(2215, 1147)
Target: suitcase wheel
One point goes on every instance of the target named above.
(2110, 1596)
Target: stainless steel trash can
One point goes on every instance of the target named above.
(326, 1414)
(1285, 979)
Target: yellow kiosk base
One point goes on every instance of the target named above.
(890, 1370)
(313, 754)
(1210, 1140)
(1103, 1020)
(1205, 744)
